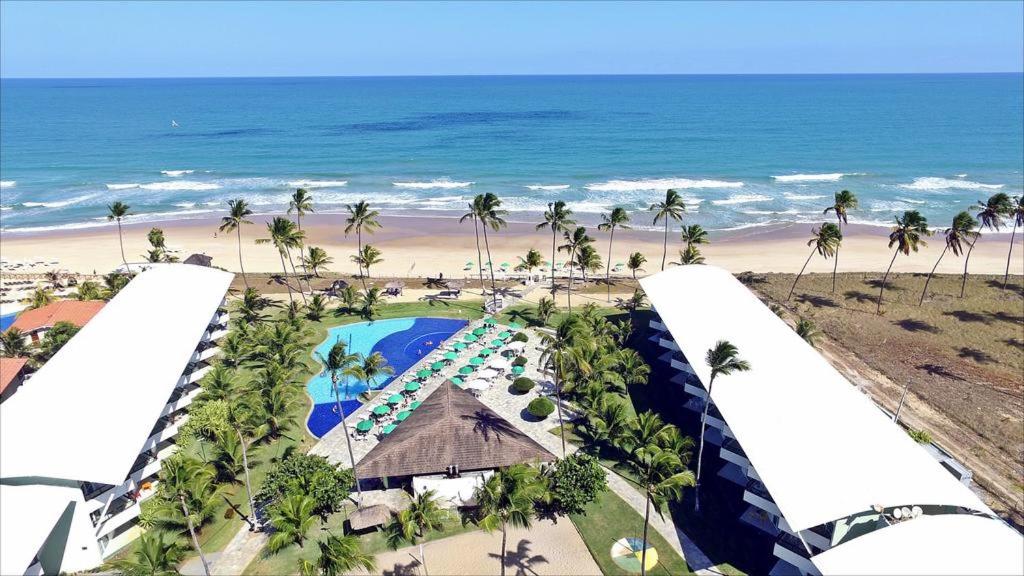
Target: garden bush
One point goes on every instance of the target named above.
(520, 337)
(540, 407)
(519, 361)
(522, 385)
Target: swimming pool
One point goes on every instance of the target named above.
(6, 320)
(402, 341)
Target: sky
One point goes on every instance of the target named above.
(193, 39)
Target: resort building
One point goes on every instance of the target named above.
(12, 374)
(36, 322)
(83, 441)
(836, 486)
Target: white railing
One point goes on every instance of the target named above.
(658, 325)
(761, 502)
(195, 376)
(181, 402)
(100, 500)
(168, 432)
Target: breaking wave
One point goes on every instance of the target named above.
(741, 199)
(317, 183)
(58, 203)
(830, 177)
(443, 184)
(8, 183)
(547, 187)
(936, 183)
(176, 173)
(658, 184)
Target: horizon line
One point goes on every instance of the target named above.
(538, 75)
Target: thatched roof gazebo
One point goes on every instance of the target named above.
(369, 517)
(451, 431)
(199, 260)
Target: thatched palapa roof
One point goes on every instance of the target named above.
(450, 428)
(369, 516)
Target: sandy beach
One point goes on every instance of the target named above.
(426, 246)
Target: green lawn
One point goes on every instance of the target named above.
(608, 519)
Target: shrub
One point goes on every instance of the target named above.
(522, 385)
(540, 407)
(519, 361)
(307, 475)
(520, 337)
(920, 436)
(576, 481)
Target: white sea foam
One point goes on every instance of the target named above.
(212, 203)
(8, 183)
(548, 187)
(180, 185)
(6, 208)
(935, 183)
(961, 175)
(911, 200)
(176, 173)
(803, 196)
(889, 206)
(830, 177)
(443, 184)
(186, 204)
(790, 212)
(658, 184)
(122, 186)
(58, 203)
(317, 183)
(741, 199)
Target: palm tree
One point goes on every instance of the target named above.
(281, 231)
(991, 213)
(559, 352)
(343, 555)
(631, 367)
(558, 218)
(372, 367)
(1016, 214)
(960, 231)
(489, 213)
(88, 290)
(317, 259)
(508, 498)
(238, 211)
(472, 215)
(337, 362)
(361, 217)
(663, 476)
(117, 211)
(291, 519)
(186, 479)
(366, 257)
(824, 241)
(316, 308)
(252, 306)
(152, 556)
(806, 330)
(906, 236)
(694, 235)
(545, 308)
(574, 241)
(40, 297)
(723, 360)
(54, 278)
(691, 255)
(843, 202)
(412, 524)
(301, 203)
(371, 302)
(12, 343)
(636, 262)
(617, 218)
(672, 208)
(588, 260)
(532, 260)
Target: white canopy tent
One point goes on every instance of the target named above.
(820, 446)
(452, 491)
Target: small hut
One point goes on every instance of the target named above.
(199, 260)
(369, 517)
(394, 288)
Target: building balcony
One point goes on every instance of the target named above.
(150, 468)
(668, 344)
(790, 549)
(657, 324)
(181, 399)
(206, 350)
(819, 537)
(194, 373)
(165, 429)
(732, 452)
(757, 495)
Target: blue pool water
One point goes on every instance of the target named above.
(402, 341)
(6, 320)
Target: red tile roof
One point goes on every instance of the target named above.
(9, 369)
(74, 311)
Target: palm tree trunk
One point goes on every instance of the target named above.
(192, 532)
(284, 267)
(963, 284)
(298, 222)
(558, 405)
(835, 263)
(608, 265)
(248, 485)
(1006, 276)
(797, 279)
(881, 289)
(302, 292)
(903, 397)
(568, 293)
(359, 252)
(490, 267)
(241, 267)
(504, 536)
(664, 248)
(120, 240)
(700, 448)
(930, 274)
(479, 259)
(348, 441)
(647, 521)
(554, 252)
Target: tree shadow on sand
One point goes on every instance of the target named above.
(966, 316)
(938, 370)
(861, 297)
(911, 325)
(521, 559)
(410, 569)
(979, 356)
(817, 301)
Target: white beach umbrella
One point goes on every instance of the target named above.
(501, 364)
(516, 346)
(487, 373)
(477, 384)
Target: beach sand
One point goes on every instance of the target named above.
(426, 246)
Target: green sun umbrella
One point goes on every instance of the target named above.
(479, 332)
(470, 263)
(515, 326)
(459, 346)
(382, 410)
(389, 429)
(457, 381)
(401, 416)
(424, 373)
(466, 370)
(395, 399)
(504, 335)
(497, 343)
(476, 361)
(364, 425)
(490, 321)
(450, 356)
(437, 366)
(518, 369)
(412, 387)
(487, 352)
(470, 338)
(415, 405)
(504, 264)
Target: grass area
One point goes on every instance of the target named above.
(526, 314)
(287, 560)
(610, 518)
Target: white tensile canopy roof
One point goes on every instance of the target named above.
(820, 446)
(946, 544)
(85, 415)
(29, 514)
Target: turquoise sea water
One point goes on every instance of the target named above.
(745, 150)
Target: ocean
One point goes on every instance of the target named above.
(743, 150)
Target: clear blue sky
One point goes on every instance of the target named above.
(84, 39)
